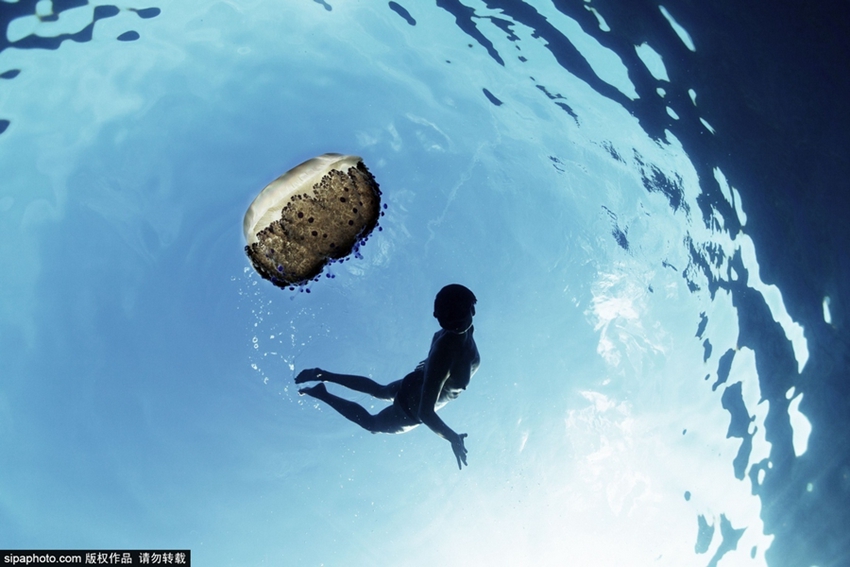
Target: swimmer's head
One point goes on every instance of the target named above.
(454, 308)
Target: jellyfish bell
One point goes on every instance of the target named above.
(317, 212)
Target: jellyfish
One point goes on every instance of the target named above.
(316, 213)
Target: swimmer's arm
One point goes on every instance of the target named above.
(436, 373)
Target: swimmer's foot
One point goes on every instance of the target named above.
(309, 375)
(317, 391)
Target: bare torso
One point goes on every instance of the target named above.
(464, 363)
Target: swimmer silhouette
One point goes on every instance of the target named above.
(435, 381)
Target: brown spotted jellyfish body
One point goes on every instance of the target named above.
(314, 214)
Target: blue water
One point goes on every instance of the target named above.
(642, 397)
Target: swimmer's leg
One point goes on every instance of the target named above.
(349, 410)
(357, 383)
(309, 375)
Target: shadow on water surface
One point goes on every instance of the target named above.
(772, 84)
(29, 9)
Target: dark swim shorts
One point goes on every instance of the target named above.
(410, 393)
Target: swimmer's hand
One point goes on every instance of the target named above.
(460, 450)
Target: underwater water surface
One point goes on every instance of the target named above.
(642, 396)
